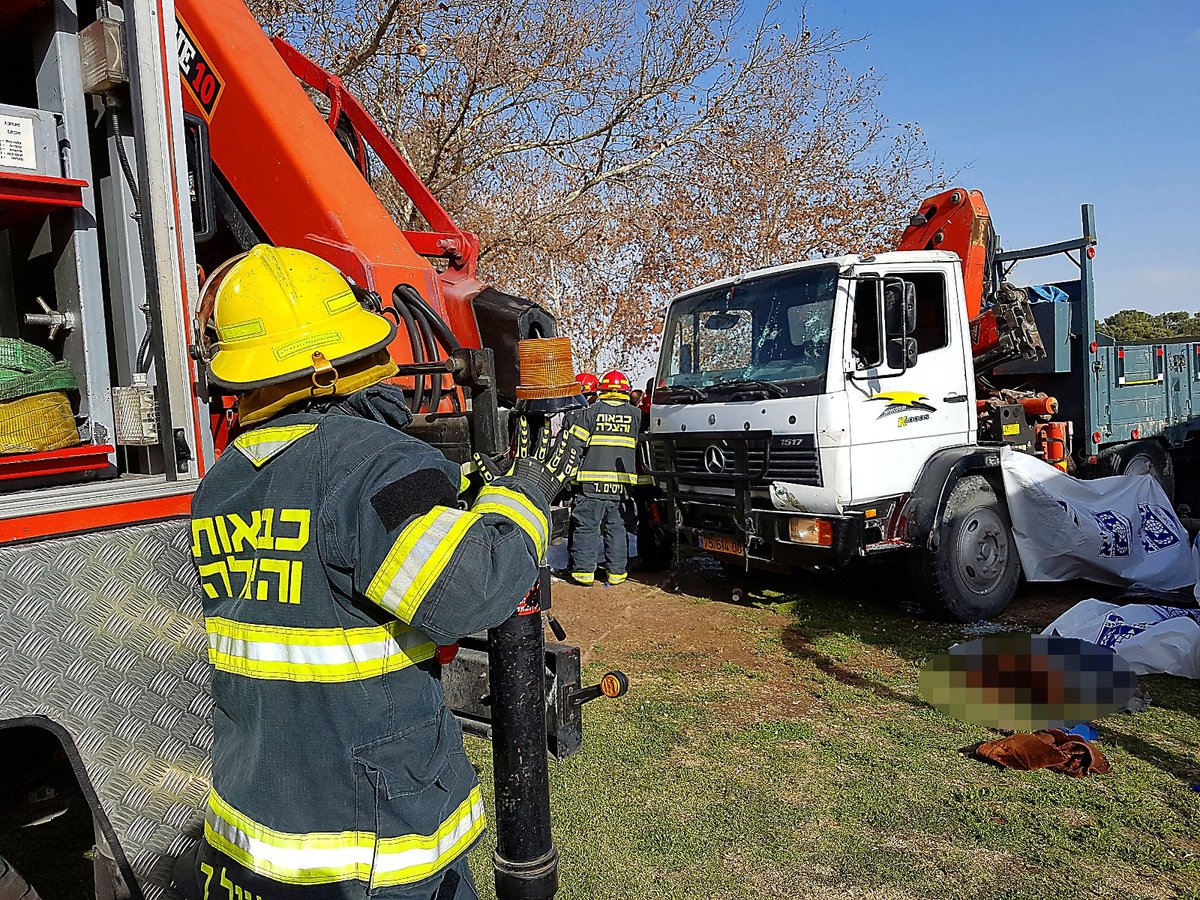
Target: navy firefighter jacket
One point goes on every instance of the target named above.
(333, 557)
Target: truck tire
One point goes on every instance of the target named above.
(974, 572)
(13, 885)
(1146, 458)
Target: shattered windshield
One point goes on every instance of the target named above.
(771, 329)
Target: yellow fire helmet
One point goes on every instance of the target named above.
(282, 314)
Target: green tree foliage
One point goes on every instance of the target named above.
(1137, 325)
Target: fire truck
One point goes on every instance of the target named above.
(142, 144)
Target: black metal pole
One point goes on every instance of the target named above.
(526, 860)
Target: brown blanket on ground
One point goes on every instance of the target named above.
(1051, 749)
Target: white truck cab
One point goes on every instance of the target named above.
(809, 413)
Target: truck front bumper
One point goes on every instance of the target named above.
(765, 535)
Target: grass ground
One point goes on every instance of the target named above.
(779, 749)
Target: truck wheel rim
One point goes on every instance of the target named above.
(982, 551)
(1140, 465)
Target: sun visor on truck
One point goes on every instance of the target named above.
(504, 321)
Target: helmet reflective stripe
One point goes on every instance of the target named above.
(331, 857)
(314, 654)
(274, 308)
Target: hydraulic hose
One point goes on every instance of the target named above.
(431, 353)
(445, 335)
(414, 339)
(430, 331)
(144, 359)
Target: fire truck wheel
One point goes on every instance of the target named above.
(1146, 458)
(974, 572)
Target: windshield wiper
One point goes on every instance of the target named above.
(694, 394)
(747, 385)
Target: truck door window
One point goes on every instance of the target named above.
(933, 332)
(865, 343)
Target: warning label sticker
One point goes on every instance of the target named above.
(17, 150)
(198, 74)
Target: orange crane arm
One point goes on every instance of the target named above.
(956, 220)
(284, 163)
(1001, 323)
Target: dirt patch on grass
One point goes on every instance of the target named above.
(1038, 605)
(644, 630)
(625, 624)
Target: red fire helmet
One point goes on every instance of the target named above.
(614, 382)
(591, 384)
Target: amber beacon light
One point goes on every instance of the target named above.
(547, 382)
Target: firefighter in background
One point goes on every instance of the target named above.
(590, 384)
(608, 472)
(334, 559)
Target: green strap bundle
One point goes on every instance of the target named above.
(27, 369)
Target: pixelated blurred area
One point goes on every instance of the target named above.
(1024, 682)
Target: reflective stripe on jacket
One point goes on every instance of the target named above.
(610, 464)
(333, 558)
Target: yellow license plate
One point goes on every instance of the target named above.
(719, 543)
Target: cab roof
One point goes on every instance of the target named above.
(892, 257)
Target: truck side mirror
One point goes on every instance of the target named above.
(899, 307)
(899, 322)
(901, 353)
(200, 178)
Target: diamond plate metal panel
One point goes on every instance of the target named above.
(104, 634)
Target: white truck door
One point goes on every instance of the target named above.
(899, 417)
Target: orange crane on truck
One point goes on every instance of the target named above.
(143, 145)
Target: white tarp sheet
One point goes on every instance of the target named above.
(1150, 638)
(1118, 530)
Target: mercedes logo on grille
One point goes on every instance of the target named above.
(714, 459)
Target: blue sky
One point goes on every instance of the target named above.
(1047, 105)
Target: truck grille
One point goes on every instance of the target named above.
(792, 458)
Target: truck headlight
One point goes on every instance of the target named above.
(803, 530)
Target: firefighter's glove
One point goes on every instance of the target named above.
(546, 464)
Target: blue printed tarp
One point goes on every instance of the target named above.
(1119, 530)
(1150, 638)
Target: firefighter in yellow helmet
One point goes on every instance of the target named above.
(334, 558)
